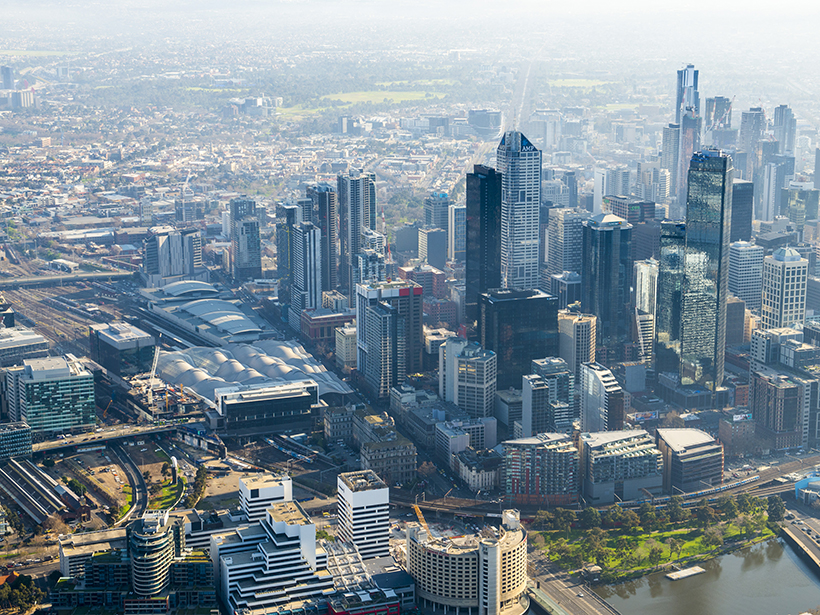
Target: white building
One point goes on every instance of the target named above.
(576, 340)
(519, 162)
(565, 238)
(785, 274)
(258, 493)
(467, 376)
(346, 353)
(602, 399)
(535, 406)
(746, 272)
(364, 513)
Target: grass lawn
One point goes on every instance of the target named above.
(577, 83)
(167, 496)
(129, 496)
(418, 82)
(377, 96)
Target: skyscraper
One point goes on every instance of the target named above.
(687, 92)
(785, 129)
(457, 233)
(669, 296)
(742, 210)
(519, 326)
(785, 276)
(519, 163)
(357, 211)
(706, 269)
(606, 276)
(483, 270)
(670, 152)
(690, 129)
(246, 247)
(467, 376)
(436, 210)
(576, 340)
(752, 125)
(565, 234)
(602, 399)
(646, 283)
(326, 203)
(718, 113)
(7, 74)
(172, 256)
(306, 274)
(746, 272)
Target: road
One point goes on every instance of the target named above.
(103, 437)
(571, 595)
(139, 489)
(808, 532)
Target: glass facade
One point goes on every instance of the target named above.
(670, 296)
(483, 247)
(706, 269)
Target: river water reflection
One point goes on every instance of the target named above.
(767, 579)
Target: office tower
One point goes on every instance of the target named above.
(558, 375)
(246, 247)
(306, 274)
(7, 73)
(567, 287)
(457, 233)
(483, 270)
(606, 275)
(519, 163)
(546, 124)
(599, 190)
(287, 216)
(305, 207)
(746, 272)
(53, 395)
(769, 194)
(536, 415)
(172, 256)
(784, 288)
(690, 129)
(780, 405)
(619, 466)
(356, 193)
(691, 457)
(629, 208)
(706, 270)
(433, 246)
(816, 175)
(468, 376)
(364, 513)
(519, 326)
(742, 210)
(326, 203)
(602, 399)
(121, 348)
(436, 210)
(646, 285)
(800, 203)
(752, 125)
(258, 492)
(576, 339)
(570, 179)
(785, 129)
(735, 321)
(541, 470)
(669, 296)
(388, 333)
(670, 153)
(687, 95)
(565, 245)
(718, 113)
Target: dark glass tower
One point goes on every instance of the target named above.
(325, 202)
(483, 237)
(606, 276)
(743, 193)
(706, 269)
(669, 296)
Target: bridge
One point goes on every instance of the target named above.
(100, 438)
(59, 280)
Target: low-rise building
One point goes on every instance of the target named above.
(394, 460)
(121, 348)
(19, 343)
(480, 470)
(338, 423)
(15, 440)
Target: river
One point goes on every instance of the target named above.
(766, 579)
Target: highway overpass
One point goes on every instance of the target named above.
(101, 438)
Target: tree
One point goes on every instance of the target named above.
(630, 520)
(612, 516)
(543, 520)
(647, 515)
(744, 503)
(672, 420)
(146, 476)
(55, 523)
(166, 469)
(675, 509)
(427, 469)
(705, 514)
(49, 462)
(776, 508)
(712, 537)
(728, 507)
(655, 555)
(590, 517)
(622, 547)
(675, 546)
(564, 519)
(77, 487)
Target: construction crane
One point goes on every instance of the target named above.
(105, 412)
(421, 519)
(153, 373)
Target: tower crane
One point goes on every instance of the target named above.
(153, 373)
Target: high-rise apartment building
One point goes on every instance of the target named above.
(364, 513)
(306, 273)
(785, 129)
(690, 131)
(746, 272)
(576, 339)
(536, 415)
(602, 399)
(519, 163)
(457, 233)
(519, 326)
(785, 275)
(246, 246)
(718, 113)
(325, 201)
(483, 250)
(558, 374)
(541, 470)
(646, 285)
(743, 193)
(687, 95)
(53, 395)
(7, 75)
(670, 152)
(388, 333)
(468, 376)
(356, 194)
(752, 125)
(606, 276)
(436, 211)
(565, 234)
(706, 269)
(780, 405)
(172, 256)
(257, 493)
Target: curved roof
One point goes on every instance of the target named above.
(221, 314)
(189, 287)
(205, 369)
(787, 254)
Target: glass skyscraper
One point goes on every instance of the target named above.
(706, 269)
(483, 248)
(670, 296)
